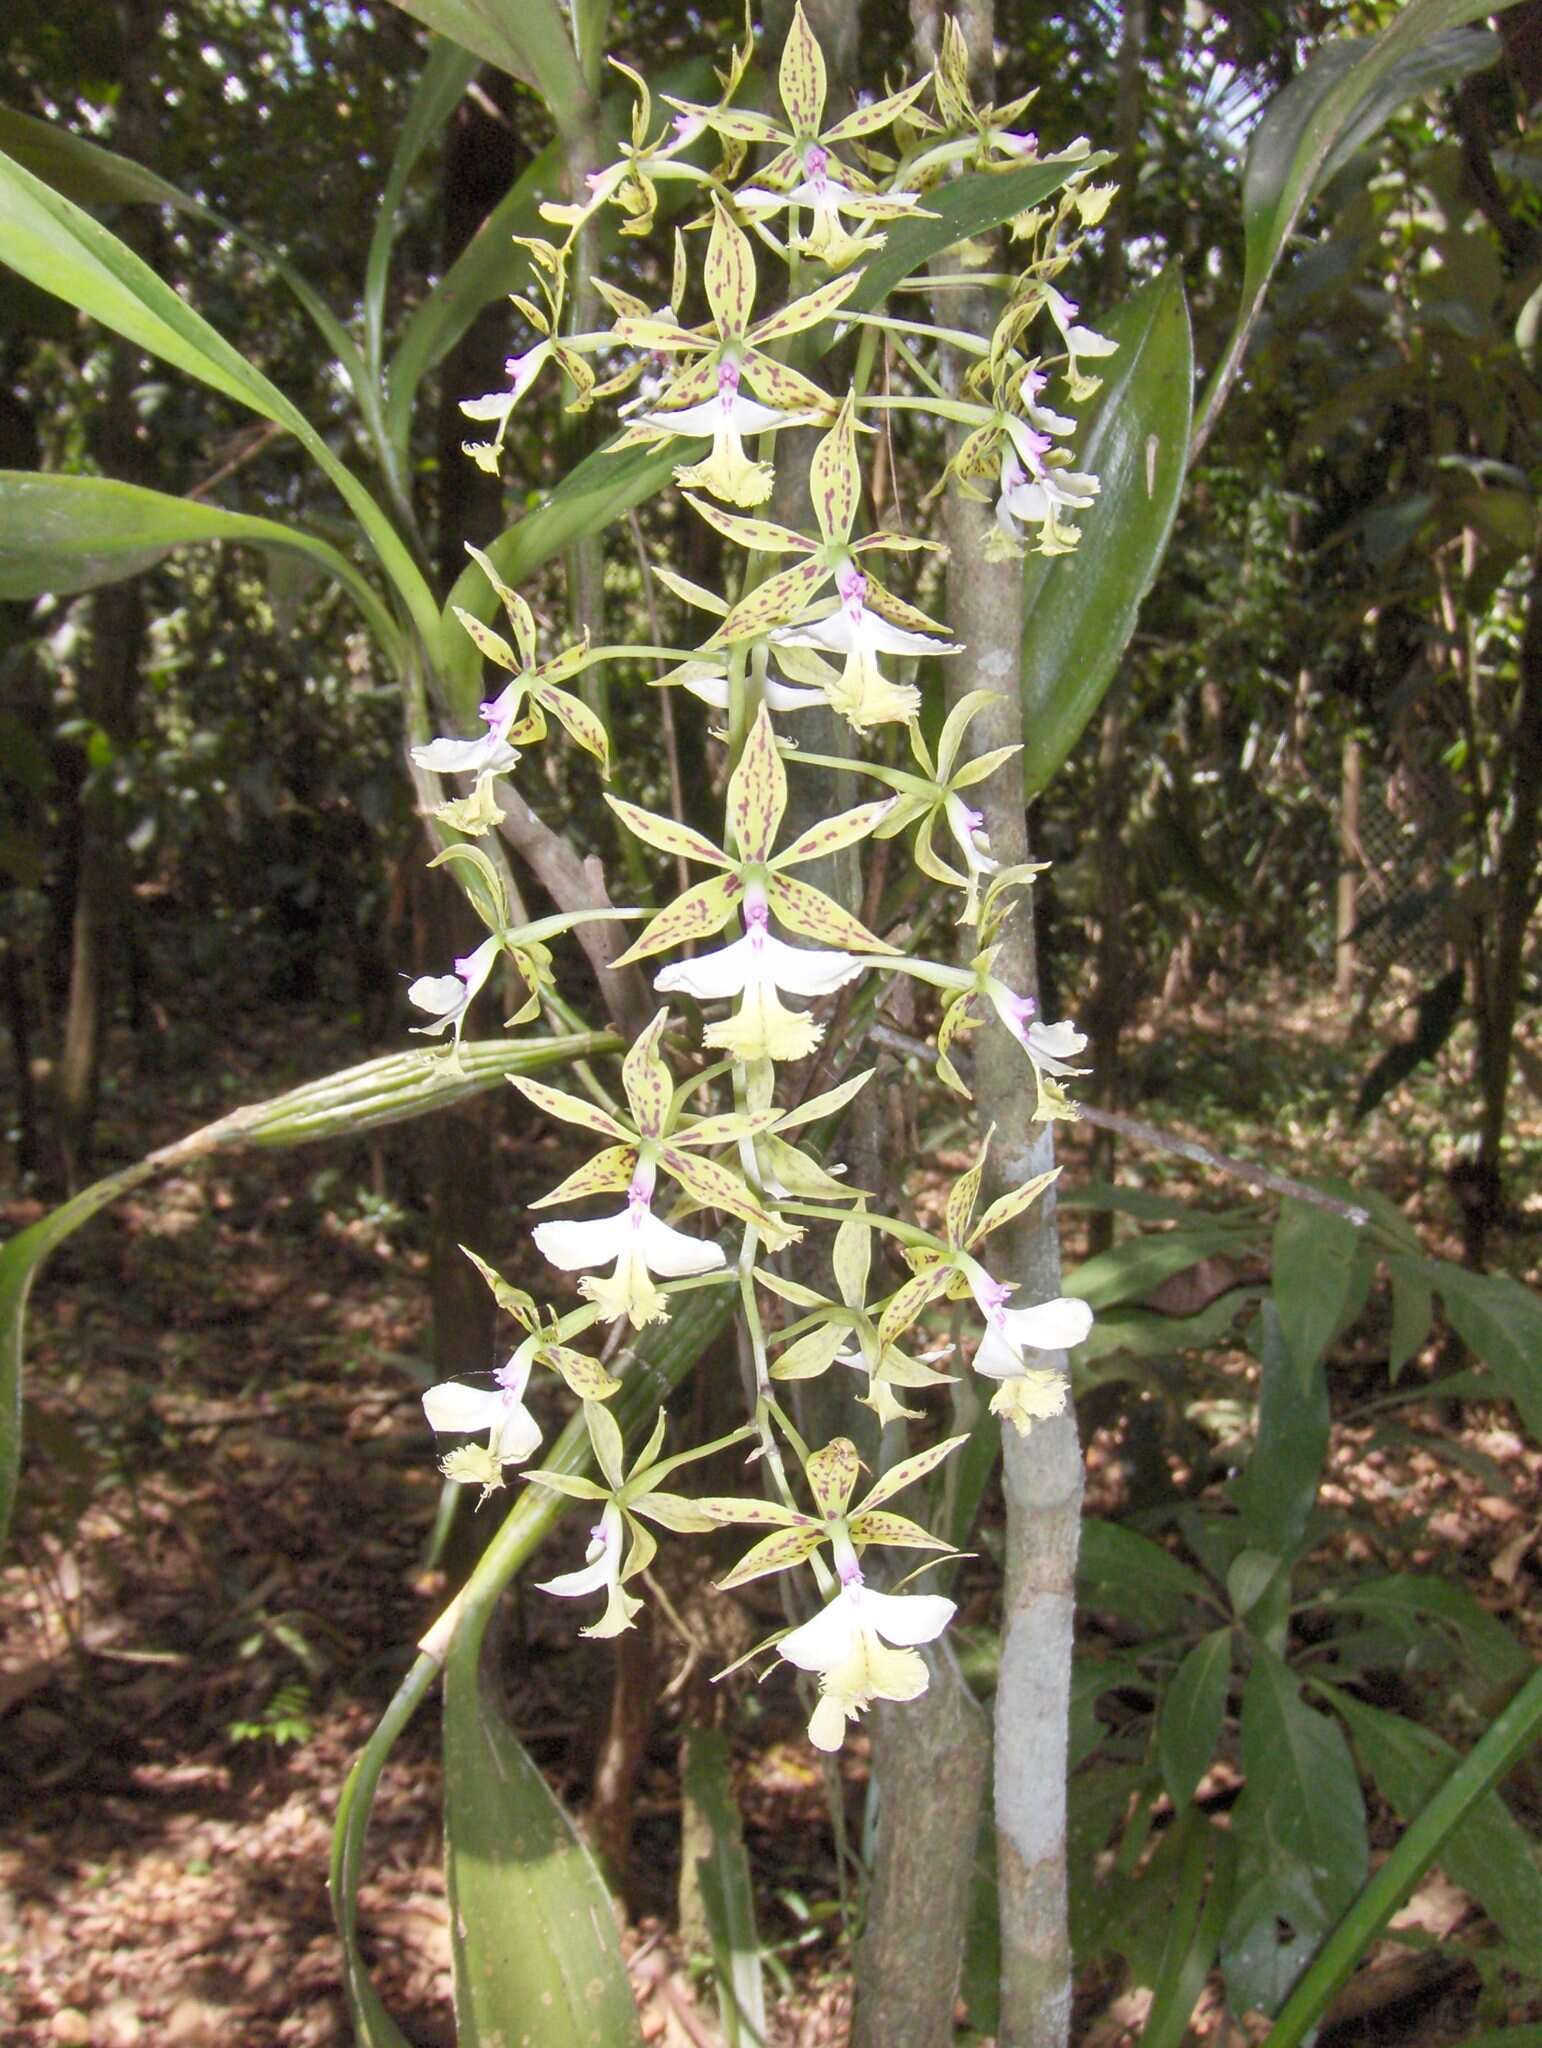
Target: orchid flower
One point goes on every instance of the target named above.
(864, 696)
(757, 803)
(447, 997)
(848, 1644)
(1037, 497)
(874, 620)
(847, 1332)
(609, 1559)
(657, 1137)
(513, 1434)
(727, 472)
(803, 143)
(522, 370)
(1079, 341)
(758, 967)
(831, 199)
(640, 1244)
(516, 713)
(844, 1642)
(703, 398)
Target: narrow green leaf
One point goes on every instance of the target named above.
(68, 533)
(1300, 1826)
(1193, 1709)
(1347, 92)
(383, 1091)
(1279, 1489)
(1488, 1854)
(1079, 612)
(373, 2025)
(1314, 1269)
(1514, 1731)
(722, 1878)
(1185, 1970)
(1413, 1310)
(1119, 1568)
(64, 251)
(527, 38)
(93, 176)
(438, 92)
(533, 1935)
(964, 207)
(1502, 1321)
(1131, 1269)
(1492, 1653)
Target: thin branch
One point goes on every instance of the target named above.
(1157, 1140)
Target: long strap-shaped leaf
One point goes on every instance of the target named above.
(1347, 92)
(1513, 1732)
(663, 1357)
(383, 1091)
(67, 533)
(64, 251)
(90, 175)
(1078, 620)
(527, 38)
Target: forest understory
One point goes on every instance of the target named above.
(219, 1561)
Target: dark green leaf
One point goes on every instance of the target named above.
(1080, 611)
(1488, 1646)
(533, 1935)
(527, 38)
(959, 210)
(1122, 1570)
(1314, 1269)
(1279, 1488)
(722, 1874)
(1344, 95)
(1300, 1827)
(67, 533)
(1193, 1710)
(1502, 1321)
(1130, 1270)
(1488, 1854)
(440, 87)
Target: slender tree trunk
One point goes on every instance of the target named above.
(1518, 889)
(1346, 957)
(1042, 1473)
(110, 676)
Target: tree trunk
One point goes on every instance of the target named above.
(1518, 890)
(1347, 914)
(1042, 1473)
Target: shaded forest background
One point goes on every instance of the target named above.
(1292, 900)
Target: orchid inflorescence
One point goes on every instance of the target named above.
(811, 623)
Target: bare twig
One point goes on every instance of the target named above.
(1157, 1140)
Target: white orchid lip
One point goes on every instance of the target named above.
(759, 960)
(1057, 1325)
(863, 1647)
(602, 1561)
(513, 1434)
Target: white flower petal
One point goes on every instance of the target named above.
(1050, 1325)
(454, 1406)
(672, 1253)
(806, 970)
(575, 1246)
(442, 995)
(906, 1618)
(466, 757)
(710, 976)
(825, 1640)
